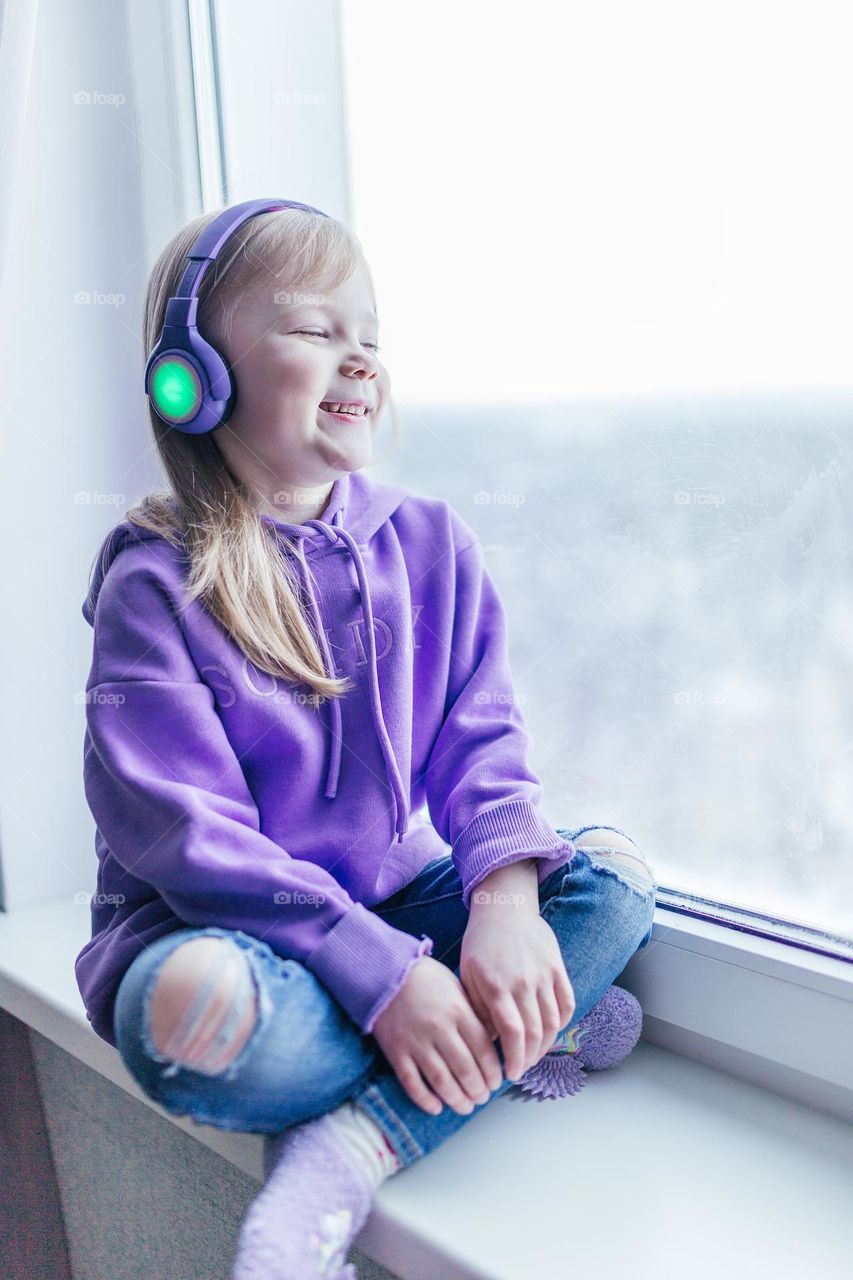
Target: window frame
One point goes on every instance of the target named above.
(767, 1010)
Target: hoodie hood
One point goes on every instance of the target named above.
(356, 510)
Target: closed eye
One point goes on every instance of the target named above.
(313, 333)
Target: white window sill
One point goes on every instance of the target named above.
(777, 1015)
(658, 1161)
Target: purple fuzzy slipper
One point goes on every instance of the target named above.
(604, 1037)
(313, 1204)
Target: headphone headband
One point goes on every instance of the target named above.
(189, 384)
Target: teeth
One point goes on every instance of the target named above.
(357, 411)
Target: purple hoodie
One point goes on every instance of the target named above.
(222, 797)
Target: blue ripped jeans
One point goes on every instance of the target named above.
(305, 1055)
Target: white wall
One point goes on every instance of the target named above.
(102, 182)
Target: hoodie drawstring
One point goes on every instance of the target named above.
(332, 532)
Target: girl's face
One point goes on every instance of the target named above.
(288, 357)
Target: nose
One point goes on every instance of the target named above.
(359, 367)
(361, 362)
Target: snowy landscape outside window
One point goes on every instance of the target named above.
(613, 266)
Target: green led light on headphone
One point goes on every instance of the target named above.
(175, 389)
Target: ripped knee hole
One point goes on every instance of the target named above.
(610, 844)
(204, 990)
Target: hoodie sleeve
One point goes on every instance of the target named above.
(171, 801)
(482, 796)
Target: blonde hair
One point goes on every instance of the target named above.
(235, 564)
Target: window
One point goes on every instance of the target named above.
(611, 258)
(612, 261)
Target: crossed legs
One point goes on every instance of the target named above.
(204, 1004)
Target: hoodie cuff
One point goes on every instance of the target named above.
(504, 834)
(364, 961)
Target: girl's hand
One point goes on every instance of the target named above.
(513, 973)
(431, 1036)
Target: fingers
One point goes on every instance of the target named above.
(565, 993)
(529, 1024)
(409, 1075)
(528, 1007)
(479, 1040)
(460, 1066)
(448, 1073)
(511, 1029)
(551, 1023)
(481, 1010)
(435, 1067)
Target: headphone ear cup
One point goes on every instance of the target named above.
(220, 392)
(174, 385)
(231, 402)
(196, 391)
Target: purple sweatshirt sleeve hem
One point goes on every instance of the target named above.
(363, 961)
(502, 835)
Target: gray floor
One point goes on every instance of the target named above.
(140, 1198)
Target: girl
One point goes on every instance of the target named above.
(299, 697)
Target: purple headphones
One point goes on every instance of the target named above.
(189, 384)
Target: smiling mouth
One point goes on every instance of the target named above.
(347, 413)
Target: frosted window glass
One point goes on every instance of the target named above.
(613, 265)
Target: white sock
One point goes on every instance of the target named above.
(366, 1141)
